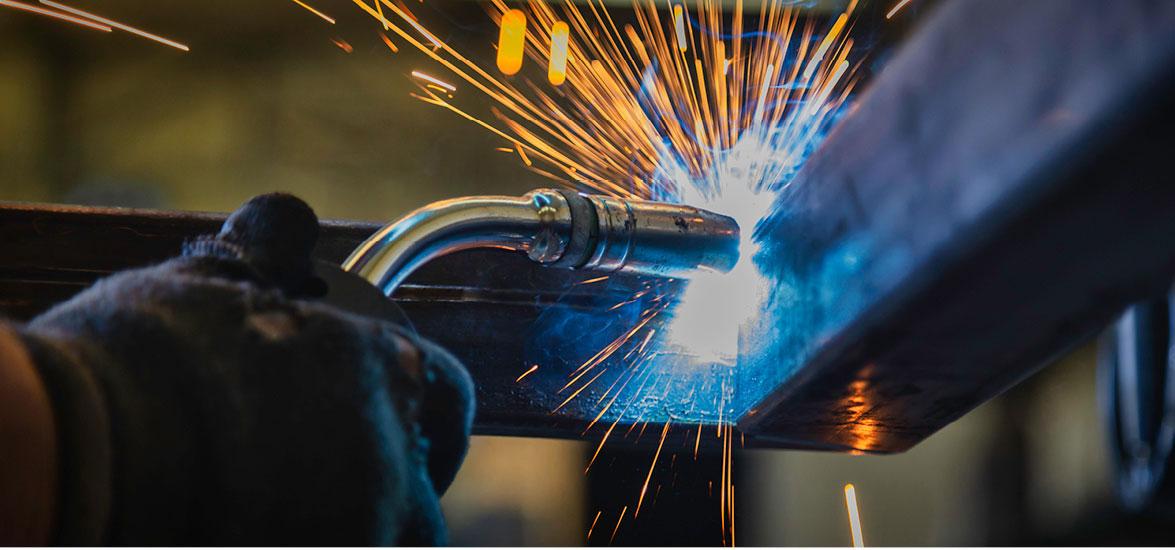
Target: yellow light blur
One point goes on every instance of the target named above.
(511, 42)
(557, 69)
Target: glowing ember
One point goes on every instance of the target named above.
(343, 45)
(527, 373)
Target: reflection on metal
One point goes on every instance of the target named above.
(555, 228)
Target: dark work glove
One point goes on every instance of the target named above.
(209, 400)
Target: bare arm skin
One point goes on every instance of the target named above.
(28, 454)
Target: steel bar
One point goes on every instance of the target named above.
(479, 304)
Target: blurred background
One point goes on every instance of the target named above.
(272, 98)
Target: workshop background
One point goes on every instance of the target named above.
(270, 99)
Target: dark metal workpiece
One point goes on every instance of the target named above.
(478, 304)
(998, 195)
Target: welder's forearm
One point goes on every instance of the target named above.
(28, 454)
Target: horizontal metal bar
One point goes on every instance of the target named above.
(478, 304)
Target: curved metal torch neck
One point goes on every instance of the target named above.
(556, 228)
(537, 223)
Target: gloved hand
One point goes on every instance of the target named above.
(208, 400)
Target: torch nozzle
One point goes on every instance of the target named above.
(557, 228)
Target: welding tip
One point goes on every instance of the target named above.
(556, 228)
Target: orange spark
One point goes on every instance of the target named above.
(617, 528)
(388, 41)
(653, 466)
(697, 440)
(511, 41)
(599, 448)
(434, 80)
(343, 45)
(116, 25)
(897, 7)
(818, 57)
(593, 280)
(522, 154)
(321, 15)
(593, 527)
(55, 15)
(577, 392)
(527, 373)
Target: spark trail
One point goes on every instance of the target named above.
(680, 103)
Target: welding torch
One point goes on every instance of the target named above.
(555, 228)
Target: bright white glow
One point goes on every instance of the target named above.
(716, 306)
(854, 516)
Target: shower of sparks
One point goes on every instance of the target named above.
(321, 15)
(695, 106)
(55, 15)
(116, 25)
(897, 7)
(854, 515)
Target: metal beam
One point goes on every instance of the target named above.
(1001, 191)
